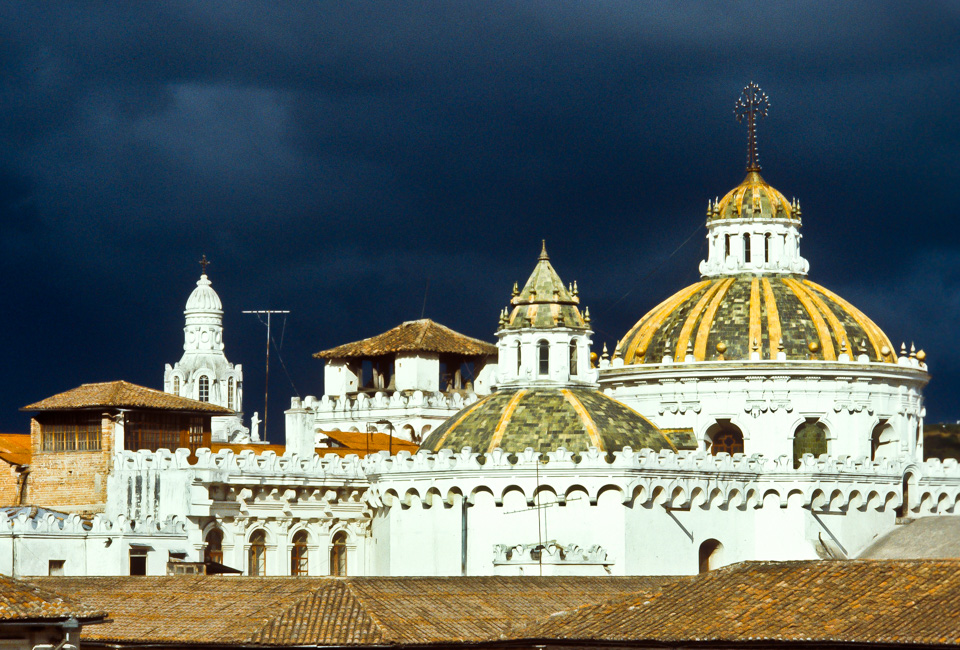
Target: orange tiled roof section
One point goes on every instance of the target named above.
(122, 394)
(328, 611)
(15, 448)
(413, 336)
(22, 601)
(353, 443)
(356, 442)
(838, 601)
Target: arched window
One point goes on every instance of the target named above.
(766, 248)
(214, 549)
(746, 247)
(203, 387)
(726, 246)
(809, 438)
(257, 559)
(709, 554)
(543, 358)
(298, 554)
(883, 442)
(230, 393)
(338, 554)
(176, 385)
(518, 358)
(725, 437)
(573, 358)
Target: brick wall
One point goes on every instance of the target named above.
(8, 484)
(70, 481)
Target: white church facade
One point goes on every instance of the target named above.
(754, 415)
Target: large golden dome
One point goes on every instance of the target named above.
(731, 317)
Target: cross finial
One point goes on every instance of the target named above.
(204, 263)
(752, 102)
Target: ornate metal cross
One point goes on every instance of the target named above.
(204, 263)
(752, 102)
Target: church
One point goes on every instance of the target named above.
(754, 415)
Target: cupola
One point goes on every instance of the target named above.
(544, 340)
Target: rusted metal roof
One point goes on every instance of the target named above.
(196, 610)
(422, 335)
(122, 394)
(22, 601)
(815, 603)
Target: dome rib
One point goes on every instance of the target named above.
(730, 318)
(875, 335)
(546, 419)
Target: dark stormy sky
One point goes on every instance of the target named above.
(334, 158)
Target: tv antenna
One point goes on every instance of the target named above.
(266, 383)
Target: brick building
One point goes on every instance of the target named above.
(74, 435)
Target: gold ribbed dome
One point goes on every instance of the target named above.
(754, 198)
(729, 318)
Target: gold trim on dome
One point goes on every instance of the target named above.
(641, 416)
(687, 329)
(773, 318)
(657, 316)
(839, 331)
(758, 187)
(755, 332)
(877, 338)
(826, 343)
(588, 422)
(703, 332)
(463, 417)
(505, 419)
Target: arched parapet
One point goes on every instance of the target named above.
(472, 499)
(512, 488)
(623, 495)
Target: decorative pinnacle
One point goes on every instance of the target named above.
(543, 250)
(752, 102)
(204, 263)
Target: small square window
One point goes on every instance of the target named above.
(55, 567)
(138, 563)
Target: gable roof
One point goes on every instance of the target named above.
(413, 336)
(818, 602)
(328, 611)
(15, 448)
(22, 601)
(122, 394)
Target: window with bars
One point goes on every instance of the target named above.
(71, 432)
(257, 558)
(298, 555)
(153, 430)
(338, 555)
(203, 388)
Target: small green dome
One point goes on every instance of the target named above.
(545, 419)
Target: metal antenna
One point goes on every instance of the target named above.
(266, 383)
(752, 102)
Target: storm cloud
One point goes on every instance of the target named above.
(362, 163)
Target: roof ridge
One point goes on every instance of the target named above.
(378, 624)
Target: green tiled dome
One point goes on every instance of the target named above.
(544, 419)
(544, 302)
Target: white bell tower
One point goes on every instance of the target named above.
(203, 373)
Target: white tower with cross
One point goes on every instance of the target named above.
(203, 373)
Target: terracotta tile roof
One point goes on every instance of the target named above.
(352, 442)
(22, 601)
(413, 336)
(15, 448)
(859, 601)
(328, 611)
(122, 394)
(356, 442)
